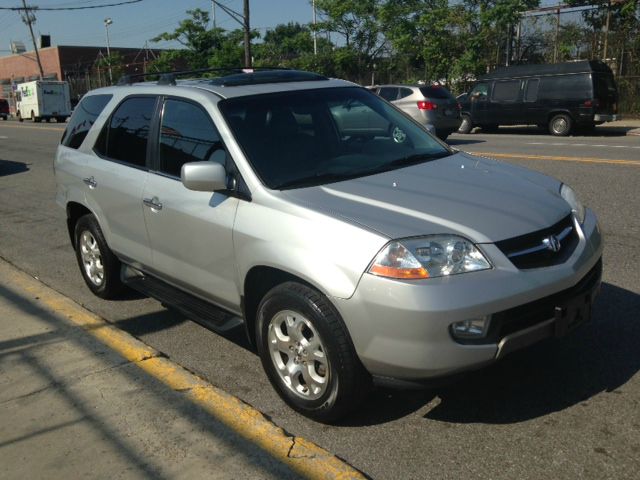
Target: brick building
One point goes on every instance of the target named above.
(78, 65)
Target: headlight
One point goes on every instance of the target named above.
(572, 199)
(430, 256)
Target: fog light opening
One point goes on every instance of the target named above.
(471, 328)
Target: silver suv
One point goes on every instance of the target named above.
(348, 253)
(430, 105)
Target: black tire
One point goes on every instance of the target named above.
(20, 119)
(347, 381)
(560, 125)
(110, 286)
(61, 119)
(467, 125)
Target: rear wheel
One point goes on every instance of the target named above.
(34, 119)
(307, 354)
(61, 119)
(100, 268)
(466, 126)
(443, 134)
(560, 125)
(490, 128)
(20, 119)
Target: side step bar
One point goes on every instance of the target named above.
(198, 310)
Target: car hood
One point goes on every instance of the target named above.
(483, 200)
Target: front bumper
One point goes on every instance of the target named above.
(400, 329)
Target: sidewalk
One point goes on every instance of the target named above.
(72, 408)
(631, 125)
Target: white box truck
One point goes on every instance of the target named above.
(43, 100)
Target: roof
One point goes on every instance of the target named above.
(516, 71)
(241, 82)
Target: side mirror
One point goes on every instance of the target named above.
(204, 176)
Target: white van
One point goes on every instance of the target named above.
(43, 100)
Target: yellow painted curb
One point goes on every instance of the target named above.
(554, 158)
(301, 455)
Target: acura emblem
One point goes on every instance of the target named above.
(552, 243)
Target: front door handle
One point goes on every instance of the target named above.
(91, 182)
(153, 203)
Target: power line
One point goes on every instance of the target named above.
(86, 7)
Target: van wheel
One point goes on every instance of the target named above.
(100, 268)
(466, 126)
(560, 125)
(20, 119)
(306, 353)
(493, 128)
(35, 119)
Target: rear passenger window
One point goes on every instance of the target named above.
(187, 135)
(388, 93)
(565, 87)
(404, 92)
(83, 118)
(125, 136)
(506, 91)
(531, 92)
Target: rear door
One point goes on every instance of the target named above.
(606, 94)
(116, 177)
(532, 111)
(388, 93)
(190, 232)
(478, 102)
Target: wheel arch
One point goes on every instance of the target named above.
(259, 280)
(75, 210)
(554, 112)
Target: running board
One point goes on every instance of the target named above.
(198, 310)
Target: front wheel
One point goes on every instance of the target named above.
(560, 125)
(467, 125)
(306, 352)
(100, 268)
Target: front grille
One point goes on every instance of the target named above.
(531, 251)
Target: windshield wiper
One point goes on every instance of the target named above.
(316, 179)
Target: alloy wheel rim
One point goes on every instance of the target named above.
(91, 258)
(298, 354)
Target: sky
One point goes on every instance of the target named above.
(136, 23)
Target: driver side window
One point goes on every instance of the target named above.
(480, 90)
(187, 134)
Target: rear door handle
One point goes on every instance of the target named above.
(91, 182)
(153, 203)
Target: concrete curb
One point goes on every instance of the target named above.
(301, 455)
(634, 132)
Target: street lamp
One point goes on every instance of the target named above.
(107, 22)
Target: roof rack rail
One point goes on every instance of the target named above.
(169, 78)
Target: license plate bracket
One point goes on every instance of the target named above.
(571, 314)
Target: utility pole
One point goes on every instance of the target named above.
(555, 47)
(606, 31)
(247, 36)
(315, 33)
(242, 19)
(107, 22)
(213, 14)
(29, 18)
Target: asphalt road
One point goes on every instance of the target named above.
(566, 408)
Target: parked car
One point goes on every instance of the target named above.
(4, 109)
(559, 97)
(431, 105)
(258, 199)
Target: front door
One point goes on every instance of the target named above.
(191, 233)
(478, 103)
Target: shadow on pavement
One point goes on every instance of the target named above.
(7, 167)
(600, 131)
(463, 141)
(556, 374)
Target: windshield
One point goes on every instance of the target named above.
(312, 137)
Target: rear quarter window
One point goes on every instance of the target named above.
(566, 87)
(83, 118)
